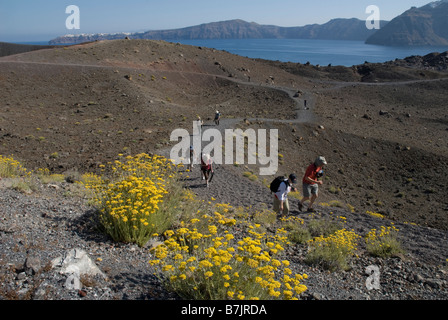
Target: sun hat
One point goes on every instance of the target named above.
(293, 178)
(320, 161)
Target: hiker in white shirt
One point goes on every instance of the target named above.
(281, 204)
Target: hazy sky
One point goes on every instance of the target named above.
(34, 20)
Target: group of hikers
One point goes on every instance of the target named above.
(311, 180)
(281, 186)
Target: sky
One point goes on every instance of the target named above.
(35, 20)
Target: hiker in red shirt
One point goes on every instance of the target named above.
(206, 168)
(311, 183)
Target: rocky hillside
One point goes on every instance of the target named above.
(7, 49)
(385, 142)
(425, 26)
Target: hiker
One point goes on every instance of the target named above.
(200, 123)
(206, 168)
(192, 157)
(311, 183)
(281, 204)
(217, 117)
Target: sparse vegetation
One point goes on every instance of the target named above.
(332, 252)
(383, 243)
(54, 155)
(334, 190)
(375, 214)
(10, 168)
(323, 226)
(250, 176)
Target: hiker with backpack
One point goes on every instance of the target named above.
(206, 168)
(311, 181)
(280, 187)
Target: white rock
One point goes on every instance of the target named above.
(76, 261)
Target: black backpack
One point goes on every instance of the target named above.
(275, 184)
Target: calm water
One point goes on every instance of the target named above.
(322, 52)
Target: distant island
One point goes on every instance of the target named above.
(336, 29)
(425, 26)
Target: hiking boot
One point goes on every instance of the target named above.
(300, 206)
(311, 210)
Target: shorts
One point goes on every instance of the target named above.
(310, 189)
(277, 206)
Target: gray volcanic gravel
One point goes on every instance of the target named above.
(39, 227)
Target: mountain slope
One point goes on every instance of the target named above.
(336, 29)
(7, 49)
(85, 104)
(427, 25)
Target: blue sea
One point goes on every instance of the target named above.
(316, 52)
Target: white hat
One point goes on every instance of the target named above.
(205, 157)
(320, 161)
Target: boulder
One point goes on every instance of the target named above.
(76, 261)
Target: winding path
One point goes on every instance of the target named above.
(229, 186)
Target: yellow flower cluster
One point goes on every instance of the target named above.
(129, 200)
(332, 252)
(293, 219)
(144, 165)
(343, 240)
(383, 242)
(91, 179)
(375, 214)
(376, 235)
(133, 198)
(205, 260)
(10, 168)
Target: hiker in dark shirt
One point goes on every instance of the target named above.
(217, 117)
